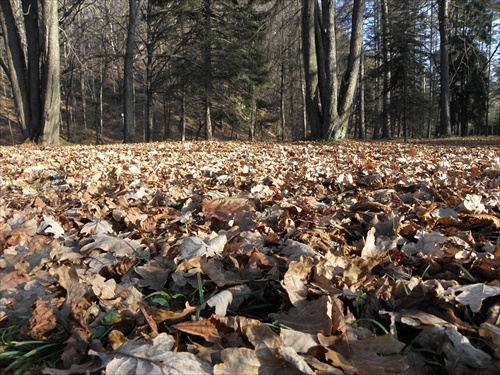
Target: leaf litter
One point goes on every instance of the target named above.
(235, 257)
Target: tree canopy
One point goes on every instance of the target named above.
(148, 70)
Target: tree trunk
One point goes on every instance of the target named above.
(362, 126)
(30, 14)
(386, 122)
(253, 112)
(329, 93)
(444, 99)
(183, 115)
(310, 67)
(128, 75)
(329, 112)
(150, 97)
(16, 68)
(35, 85)
(282, 75)
(208, 70)
(51, 82)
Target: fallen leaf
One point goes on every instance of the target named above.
(460, 356)
(233, 295)
(203, 328)
(97, 227)
(50, 226)
(43, 320)
(473, 295)
(150, 357)
(295, 279)
(314, 317)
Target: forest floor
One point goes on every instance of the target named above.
(246, 258)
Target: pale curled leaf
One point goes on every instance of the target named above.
(295, 279)
(97, 227)
(118, 246)
(264, 361)
(369, 250)
(472, 204)
(195, 247)
(301, 342)
(223, 299)
(460, 356)
(473, 295)
(50, 226)
(152, 357)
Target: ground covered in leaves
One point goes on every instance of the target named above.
(250, 258)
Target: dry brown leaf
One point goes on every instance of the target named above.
(295, 280)
(76, 345)
(203, 328)
(150, 357)
(161, 316)
(224, 207)
(154, 275)
(236, 323)
(300, 342)
(460, 356)
(418, 319)
(43, 321)
(117, 339)
(314, 317)
(367, 206)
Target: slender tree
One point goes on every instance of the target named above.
(34, 71)
(328, 101)
(128, 74)
(444, 96)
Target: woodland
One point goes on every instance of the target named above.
(152, 70)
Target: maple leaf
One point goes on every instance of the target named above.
(119, 247)
(222, 300)
(195, 247)
(49, 225)
(151, 357)
(97, 227)
(473, 295)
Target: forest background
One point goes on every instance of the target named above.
(106, 71)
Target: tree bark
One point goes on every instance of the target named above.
(350, 77)
(328, 103)
(35, 84)
(330, 91)
(444, 98)
(310, 67)
(128, 75)
(16, 68)
(386, 103)
(362, 126)
(30, 14)
(183, 114)
(208, 70)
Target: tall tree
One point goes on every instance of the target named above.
(207, 67)
(328, 102)
(386, 67)
(469, 60)
(128, 74)
(34, 71)
(444, 96)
